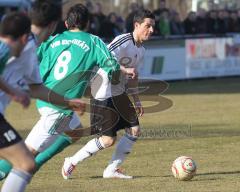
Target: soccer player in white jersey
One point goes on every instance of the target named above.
(128, 50)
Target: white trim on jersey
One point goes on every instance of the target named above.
(125, 50)
(119, 41)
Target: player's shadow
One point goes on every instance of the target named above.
(134, 177)
(196, 178)
(220, 173)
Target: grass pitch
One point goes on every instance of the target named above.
(202, 123)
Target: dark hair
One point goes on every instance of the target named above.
(77, 17)
(141, 14)
(43, 12)
(15, 25)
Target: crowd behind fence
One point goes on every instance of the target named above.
(168, 21)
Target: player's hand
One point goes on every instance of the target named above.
(77, 105)
(132, 72)
(21, 97)
(139, 108)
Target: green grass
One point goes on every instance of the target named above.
(203, 123)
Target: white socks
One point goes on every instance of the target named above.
(16, 181)
(92, 147)
(123, 148)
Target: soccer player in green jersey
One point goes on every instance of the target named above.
(129, 51)
(66, 64)
(24, 70)
(38, 19)
(63, 141)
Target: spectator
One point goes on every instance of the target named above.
(110, 28)
(164, 23)
(190, 23)
(129, 20)
(223, 22)
(158, 12)
(227, 18)
(201, 21)
(99, 15)
(238, 13)
(176, 25)
(94, 25)
(60, 27)
(233, 22)
(212, 23)
(121, 24)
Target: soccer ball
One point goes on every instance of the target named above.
(184, 168)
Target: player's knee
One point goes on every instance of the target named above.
(28, 165)
(31, 166)
(108, 141)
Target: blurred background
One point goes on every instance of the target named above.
(196, 50)
(186, 12)
(203, 35)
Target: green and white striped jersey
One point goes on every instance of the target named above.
(67, 62)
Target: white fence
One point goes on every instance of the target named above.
(195, 58)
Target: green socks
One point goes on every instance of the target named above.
(5, 168)
(61, 143)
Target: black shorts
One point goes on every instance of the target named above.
(8, 135)
(110, 115)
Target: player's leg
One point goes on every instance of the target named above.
(125, 144)
(42, 136)
(58, 146)
(123, 148)
(23, 167)
(63, 141)
(88, 150)
(35, 139)
(47, 131)
(102, 117)
(14, 150)
(51, 124)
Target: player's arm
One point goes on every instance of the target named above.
(39, 91)
(133, 91)
(132, 72)
(119, 53)
(16, 94)
(106, 60)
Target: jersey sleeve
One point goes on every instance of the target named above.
(117, 49)
(4, 56)
(105, 59)
(33, 75)
(29, 54)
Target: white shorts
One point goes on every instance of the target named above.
(51, 124)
